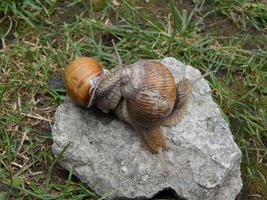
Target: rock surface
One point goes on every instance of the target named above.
(202, 163)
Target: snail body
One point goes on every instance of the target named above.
(80, 77)
(183, 93)
(108, 93)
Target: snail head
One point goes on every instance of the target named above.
(132, 77)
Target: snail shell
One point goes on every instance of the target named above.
(80, 77)
(150, 92)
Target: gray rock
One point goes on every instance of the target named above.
(202, 163)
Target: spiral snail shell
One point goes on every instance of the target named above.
(150, 92)
(80, 77)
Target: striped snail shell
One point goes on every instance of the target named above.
(80, 78)
(150, 92)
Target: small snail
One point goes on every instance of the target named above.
(81, 77)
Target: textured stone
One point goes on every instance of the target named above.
(202, 163)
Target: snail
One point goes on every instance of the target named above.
(151, 98)
(145, 95)
(81, 77)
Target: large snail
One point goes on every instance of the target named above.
(143, 94)
(150, 98)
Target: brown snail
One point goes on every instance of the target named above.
(146, 96)
(151, 98)
(80, 78)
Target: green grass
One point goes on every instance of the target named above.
(44, 45)
(31, 11)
